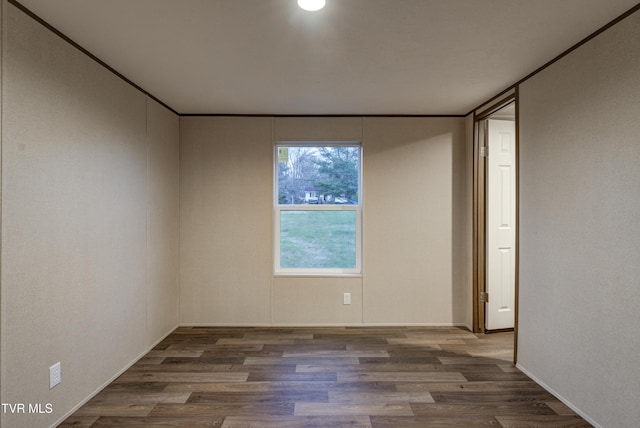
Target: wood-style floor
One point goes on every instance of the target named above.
(326, 377)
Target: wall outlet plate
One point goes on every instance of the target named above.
(55, 375)
(346, 299)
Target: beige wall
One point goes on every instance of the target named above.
(226, 193)
(408, 215)
(163, 214)
(316, 301)
(78, 192)
(579, 228)
(225, 220)
(317, 128)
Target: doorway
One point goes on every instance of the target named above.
(496, 218)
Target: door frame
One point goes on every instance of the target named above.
(479, 219)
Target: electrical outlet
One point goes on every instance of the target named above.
(346, 298)
(55, 375)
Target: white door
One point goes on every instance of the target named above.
(501, 223)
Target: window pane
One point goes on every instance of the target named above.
(318, 175)
(318, 239)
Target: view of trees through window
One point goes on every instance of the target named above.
(318, 209)
(318, 175)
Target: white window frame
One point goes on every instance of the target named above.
(278, 208)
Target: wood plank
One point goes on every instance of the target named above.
(380, 387)
(353, 409)
(560, 408)
(297, 422)
(330, 361)
(262, 341)
(228, 348)
(248, 386)
(470, 360)
(334, 353)
(537, 421)
(486, 386)
(175, 353)
(197, 367)
(159, 422)
(311, 396)
(401, 377)
(140, 398)
(488, 409)
(79, 422)
(401, 359)
(193, 367)
(512, 396)
(429, 344)
(324, 368)
(132, 376)
(433, 421)
(379, 397)
(292, 377)
(271, 335)
(478, 376)
(222, 409)
(140, 387)
(110, 409)
(150, 360)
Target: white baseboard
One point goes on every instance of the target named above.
(320, 325)
(568, 403)
(111, 379)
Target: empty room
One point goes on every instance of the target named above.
(365, 213)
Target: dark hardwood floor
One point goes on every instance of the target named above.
(326, 377)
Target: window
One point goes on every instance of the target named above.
(317, 208)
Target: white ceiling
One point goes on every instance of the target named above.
(353, 57)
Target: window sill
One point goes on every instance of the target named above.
(315, 275)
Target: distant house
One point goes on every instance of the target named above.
(312, 195)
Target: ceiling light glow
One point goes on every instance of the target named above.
(311, 5)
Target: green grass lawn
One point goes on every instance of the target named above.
(318, 239)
